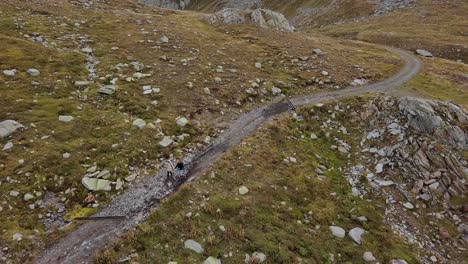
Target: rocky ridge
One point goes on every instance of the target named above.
(262, 17)
(412, 156)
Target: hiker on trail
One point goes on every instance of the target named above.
(180, 168)
(170, 168)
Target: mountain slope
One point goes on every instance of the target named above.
(72, 132)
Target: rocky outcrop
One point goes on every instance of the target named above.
(261, 17)
(184, 4)
(385, 6)
(412, 154)
(424, 142)
(172, 4)
(436, 118)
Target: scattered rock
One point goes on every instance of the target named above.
(87, 50)
(408, 205)
(167, 141)
(359, 82)
(362, 218)
(65, 118)
(9, 73)
(318, 52)
(379, 168)
(434, 186)
(182, 121)
(131, 177)
(8, 127)
(81, 84)
(337, 231)
(28, 197)
(139, 123)
(207, 91)
(33, 72)
(92, 169)
(398, 261)
(8, 146)
(164, 39)
(424, 53)
(66, 155)
(258, 65)
(342, 150)
(211, 260)
(17, 237)
(275, 90)
(119, 184)
(258, 257)
(384, 183)
(193, 245)
(368, 256)
(103, 174)
(14, 193)
(356, 234)
(243, 190)
(108, 89)
(94, 184)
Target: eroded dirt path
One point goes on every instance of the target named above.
(90, 238)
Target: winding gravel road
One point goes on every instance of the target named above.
(90, 238)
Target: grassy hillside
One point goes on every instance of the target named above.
(288, 209)
(441, 79)
(437, 26)
(50, 157)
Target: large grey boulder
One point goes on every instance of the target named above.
(8, 127)
(436, 118)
